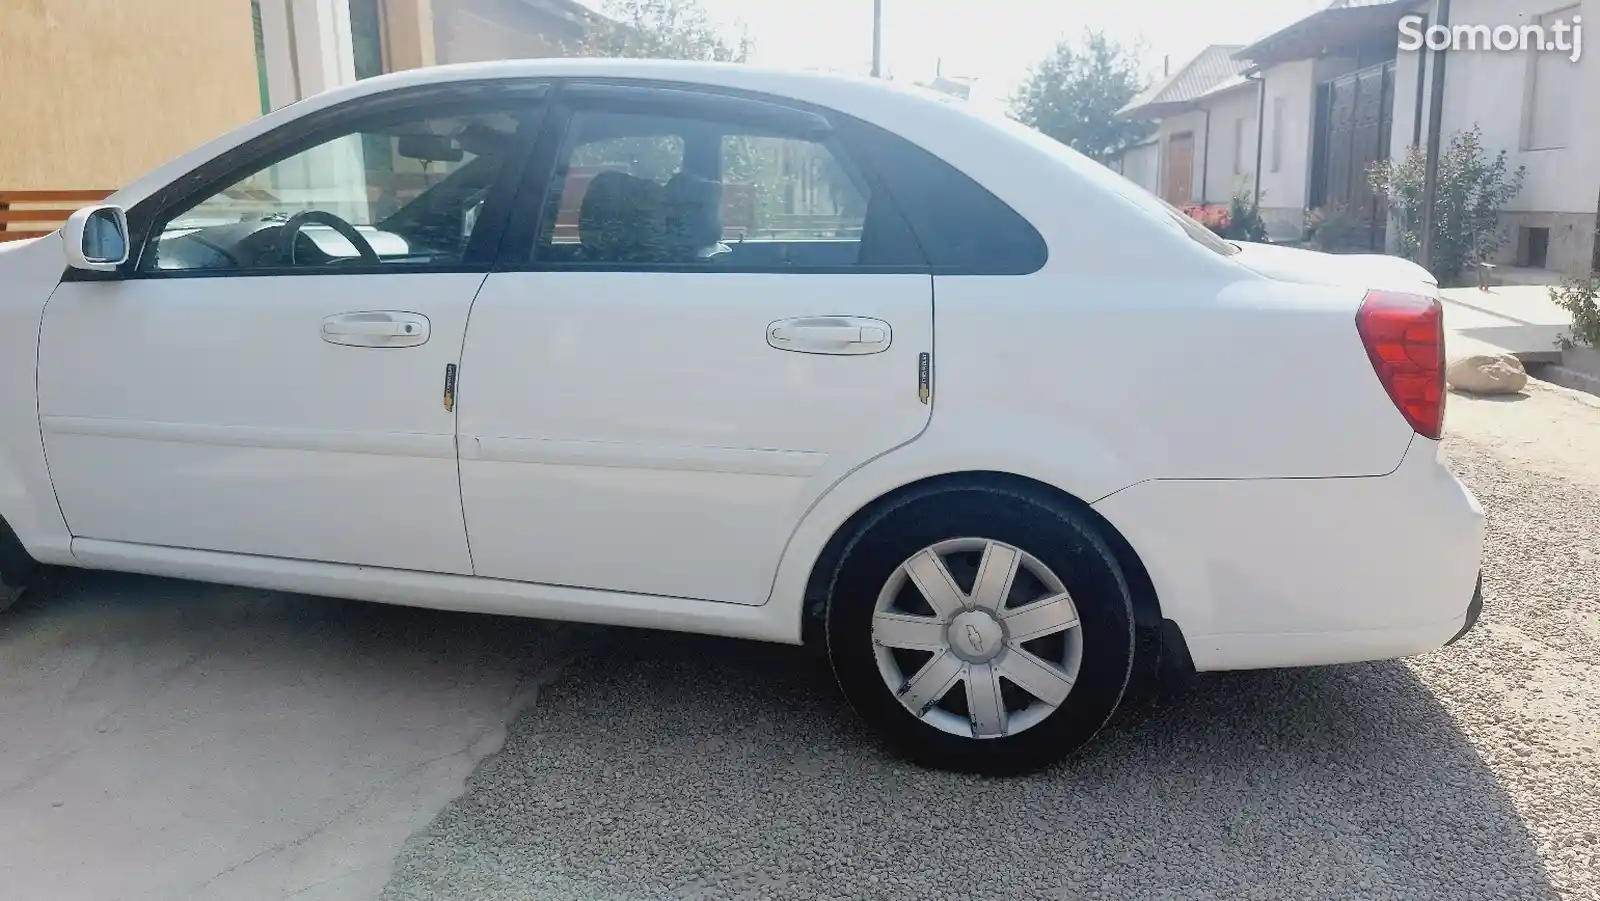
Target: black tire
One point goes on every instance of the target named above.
(1064, 540)
(17, 570)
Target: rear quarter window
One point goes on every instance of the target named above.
(962, 227)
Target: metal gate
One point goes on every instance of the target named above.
(1355, 114)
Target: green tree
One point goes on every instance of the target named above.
(1073, 95)
(1474, 186)
(661, 29)
(681, 29)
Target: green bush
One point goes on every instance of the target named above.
(1473, 188)
(1244, 219)
(1240, 220)
(1335, 229)
(1580, 296)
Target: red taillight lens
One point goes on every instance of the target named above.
(1404, 336)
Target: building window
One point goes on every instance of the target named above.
(1243, 141)
(1551, 93)
(1280, 106)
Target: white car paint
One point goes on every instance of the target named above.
(29, 271)
(660, 465)
(1361, 270)
(690, 443)
(217, 402)
(1330, 542)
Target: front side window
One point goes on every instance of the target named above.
(641, 190)
(406, 193)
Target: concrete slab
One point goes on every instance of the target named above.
(1523, 275)
(168, 740)
(1516, 319)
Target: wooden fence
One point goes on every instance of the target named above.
(32, 214)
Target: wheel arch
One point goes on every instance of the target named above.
(1148, 621)
(17, 566)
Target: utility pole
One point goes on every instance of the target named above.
(877, 38)
(1430, 178)
(1594, 255)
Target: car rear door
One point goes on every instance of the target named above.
(706, 313)
(225, 395)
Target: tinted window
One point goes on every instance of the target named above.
(1102, 177)
(962, 228)
(640, 190)
(1199, 233)
(656, 157)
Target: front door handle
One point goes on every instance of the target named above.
(845, 335)
(377, 328)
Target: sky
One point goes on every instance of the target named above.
(994, 41)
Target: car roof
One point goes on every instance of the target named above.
(816, 86)
(851, 94)
(1028, 171)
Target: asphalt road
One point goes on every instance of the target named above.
(169, 740)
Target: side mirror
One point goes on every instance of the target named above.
(96, 238)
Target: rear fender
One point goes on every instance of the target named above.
(1078, 463)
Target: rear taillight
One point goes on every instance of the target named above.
(1404, 336)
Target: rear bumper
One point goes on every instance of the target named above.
(1303, 572)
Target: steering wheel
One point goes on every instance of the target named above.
(290, 231)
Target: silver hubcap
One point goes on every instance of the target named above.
(986, 616)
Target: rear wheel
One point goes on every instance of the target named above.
(981, 629)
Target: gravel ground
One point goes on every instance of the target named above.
(674, 767)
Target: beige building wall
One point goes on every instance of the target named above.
(470, 31)
(98, 93)
(427, 32)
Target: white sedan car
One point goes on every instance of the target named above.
(781, 356)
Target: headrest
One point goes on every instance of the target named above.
(692, 208)
(620, 217)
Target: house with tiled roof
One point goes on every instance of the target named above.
(1300, 115)
(1537, 106)
(1198, 107)
(1327, 95)
(1292, 118)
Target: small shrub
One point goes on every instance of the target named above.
(1337, 230)
(1580, 296)
(1244, 219)
(1473, 188)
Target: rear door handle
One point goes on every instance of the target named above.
(378, 328)
(843, 335)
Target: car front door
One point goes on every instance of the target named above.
(707, 313)
(271, 374)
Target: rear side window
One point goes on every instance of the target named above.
(962, 227)
(692, 191)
